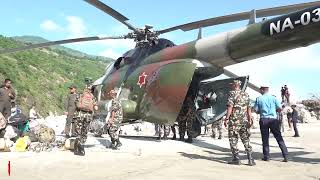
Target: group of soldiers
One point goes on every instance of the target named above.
(238, 122)
(185, 120)
(80, 118)
(81, 107)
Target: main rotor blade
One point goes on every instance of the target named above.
(250, 85)
(51, 43)
(115, 14)
(241, 16)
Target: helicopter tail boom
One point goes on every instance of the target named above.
(268, 37)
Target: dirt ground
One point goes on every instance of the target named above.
(142, 158)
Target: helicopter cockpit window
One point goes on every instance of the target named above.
(117, 63)
(161, 44)
(141, 52)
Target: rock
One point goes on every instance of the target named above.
(139, 129)
(5, 144)
(57, 123)
(69, 144)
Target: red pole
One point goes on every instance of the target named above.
(9, 168)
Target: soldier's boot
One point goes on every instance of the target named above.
(82, 152)
(235, 160)
(250, 159)
(189, 140)
(220, 136)
(119, 144)
(76, 150)
(159, 138)
(165, 137)
(213, 136)
(113, 145)
(174, 137)
(181, 137)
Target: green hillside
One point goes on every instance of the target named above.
(71, 52)
(42, 76)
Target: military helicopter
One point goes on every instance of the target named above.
(155, 77)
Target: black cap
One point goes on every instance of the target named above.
(72, 86)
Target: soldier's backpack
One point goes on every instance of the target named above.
(86, 101)
(46, 134)
(17, 119)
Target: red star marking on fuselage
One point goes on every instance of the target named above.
(142, 79)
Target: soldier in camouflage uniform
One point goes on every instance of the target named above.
(83, 119)
(114, 121)
(216, 125)
(163, 129)
(238, 109)
(185, 119)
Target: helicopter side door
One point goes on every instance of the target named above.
(212, 98)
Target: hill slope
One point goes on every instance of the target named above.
(72, 52)
(42, 76)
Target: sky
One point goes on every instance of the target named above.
(61, 19)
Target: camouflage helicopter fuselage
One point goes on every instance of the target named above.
(154, 86)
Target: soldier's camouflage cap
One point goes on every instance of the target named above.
(236, 82)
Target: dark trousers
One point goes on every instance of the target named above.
(296, 132)
(273, 125)
(70, 125)
(173, 129)
(5, 109)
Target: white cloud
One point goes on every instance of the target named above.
(110, 53)
(49, 25)
(118, 43)
(280, 69)
(115, 47)
(263, 68)
(76, 27)
(119, 30)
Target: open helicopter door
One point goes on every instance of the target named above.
(212, 98)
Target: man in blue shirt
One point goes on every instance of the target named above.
(268, 106)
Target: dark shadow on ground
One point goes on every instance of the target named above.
(289, 147)
(141, 138)
(294, 156)
(104, 141)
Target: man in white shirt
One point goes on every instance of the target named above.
(32, 113)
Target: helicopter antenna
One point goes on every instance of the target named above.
(199, 33)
